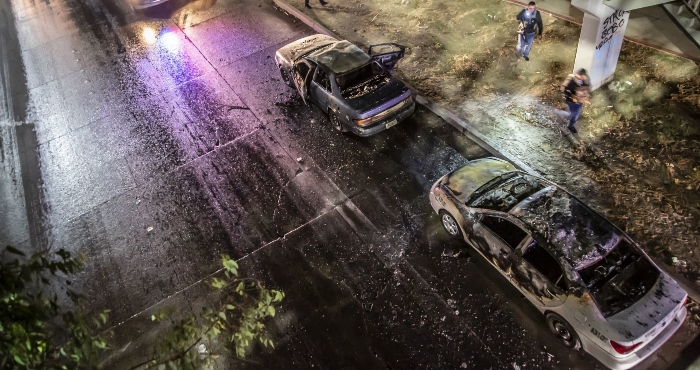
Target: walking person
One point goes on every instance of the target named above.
(306, 3)
(530, 26)
(576, 91)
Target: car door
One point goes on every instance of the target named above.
(497, 238)
(539, 275)
(301, 74)
(320, 88)
(387, 54)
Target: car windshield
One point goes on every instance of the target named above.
(619, 279)
(506, 191)
(361, 81)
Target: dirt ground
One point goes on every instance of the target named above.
(638, 160)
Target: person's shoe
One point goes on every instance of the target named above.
(307, 5)
(323, 2)
(526, 58)
(573, 130)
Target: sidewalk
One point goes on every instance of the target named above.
(650, 26)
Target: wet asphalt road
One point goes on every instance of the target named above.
(154, 145)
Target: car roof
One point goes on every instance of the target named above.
(573, 230)
(464, 181)
(340, 57)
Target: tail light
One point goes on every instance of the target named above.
(381, 115)
(366, 121)
(622, 349)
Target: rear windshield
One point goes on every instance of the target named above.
(619, 279)
(361, 81)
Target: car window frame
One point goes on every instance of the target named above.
(483, 215)
(562, 277)
(328, 87)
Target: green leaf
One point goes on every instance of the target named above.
(217, 283)
(231, 266)
(222, 315)
(153, 317)
(271, 311)
(230, 307)
(19, 360)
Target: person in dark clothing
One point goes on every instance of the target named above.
(576, 91)
(530, 25)
(306, 3)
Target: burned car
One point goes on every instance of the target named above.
(595, 286)
(355, 89)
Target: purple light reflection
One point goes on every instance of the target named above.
(169, 52)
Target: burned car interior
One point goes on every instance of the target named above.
(545, 264)
(510, 233)
(619, 279)
(361, 81)
(504, 192)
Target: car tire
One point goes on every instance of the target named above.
(449, 223)
(335, 122)
(563, 331)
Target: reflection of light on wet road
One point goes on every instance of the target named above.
(149, 35)
(169, 41)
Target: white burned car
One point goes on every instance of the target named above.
(355, 88)
(596, 288)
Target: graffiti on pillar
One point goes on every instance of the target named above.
(610, 26)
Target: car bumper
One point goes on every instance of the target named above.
(385, 123)
(434, 203)
(638, 356)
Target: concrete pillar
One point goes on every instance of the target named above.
(601, 38)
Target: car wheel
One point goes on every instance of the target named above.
(563, 331)
(335, 121)
(450, 224)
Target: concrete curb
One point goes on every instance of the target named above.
(467, 130)
(461, 126)
(304, 18)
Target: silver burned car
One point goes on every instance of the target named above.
(355, 88)
(596, 288)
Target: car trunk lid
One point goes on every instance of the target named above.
(645, 319)
(388, 95)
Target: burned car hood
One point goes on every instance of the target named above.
(390, 94)
(301, 47)
(651, 313)
(464, 181)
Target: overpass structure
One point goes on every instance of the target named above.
(673, 27)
